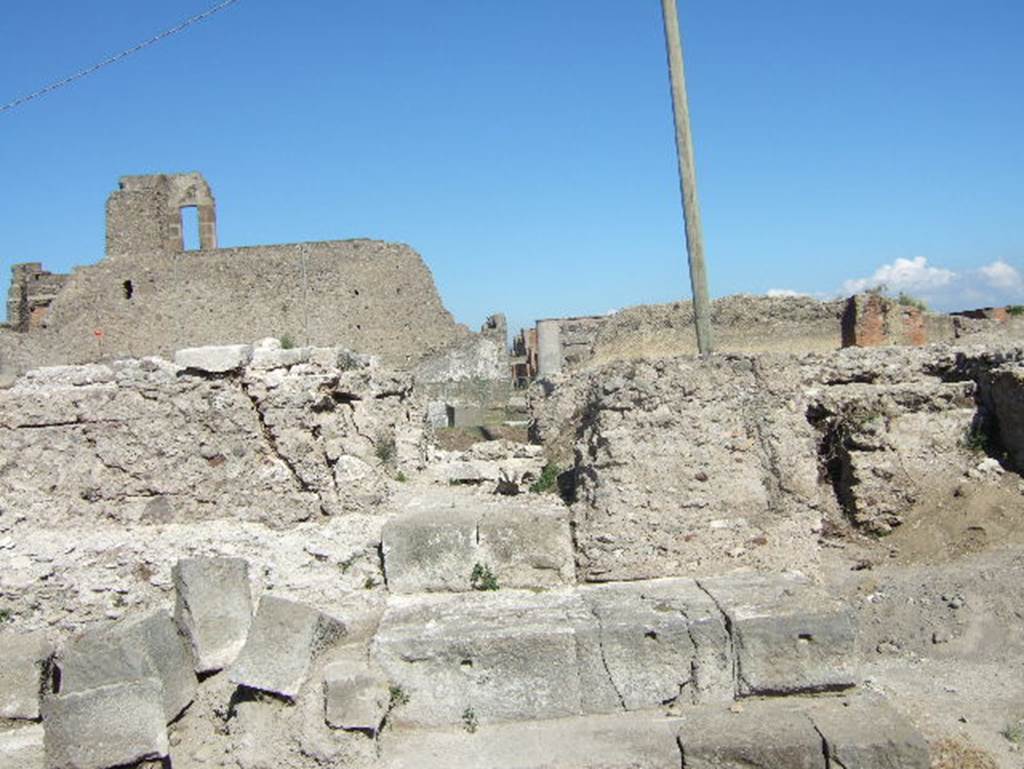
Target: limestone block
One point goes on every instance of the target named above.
(660, 642)
(268, 359)
(764, 734)
(503, 656)
(283, 641)
(150, 647)
(356, 696)
(433, 550)
(437, 414)
(789, 635)
(527, 548)
(623, 741)
(214, 607)
(214, 359)
(23, 657)
(22, 748)
(466, 416)
(865, 732)
(107, 726)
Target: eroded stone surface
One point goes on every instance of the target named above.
(23, 657)
(22, 748)
(356, 696)
(214, 608)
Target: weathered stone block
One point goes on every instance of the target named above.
(527, 548)
(767, 735)
(866, 733)
(149, 647)
(502, 656)
(789, 635)
(466, 416)
(284, 638)
(22, 748)
(107, 726)
(430, 551)
(214, 360)
(23, 657)
(214, 607)
(356, 697)
(267, 359)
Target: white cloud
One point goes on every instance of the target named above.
(991, 285)
(783, 292)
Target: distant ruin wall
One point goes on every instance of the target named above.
(366, 295)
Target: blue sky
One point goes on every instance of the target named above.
(526, 148)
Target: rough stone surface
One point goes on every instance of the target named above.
(134, 649)
(789, 635)
(867, 733)
(284, 639)
(356, 696)
(771, 735)
(437, 539)
(23, 658)
(107, 726)
(214, 608)
(22, 748)
(214, 360)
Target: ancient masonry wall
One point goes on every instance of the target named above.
(149, 297)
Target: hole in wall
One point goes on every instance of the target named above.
(128, 289)
(190, 228)
(355, 292)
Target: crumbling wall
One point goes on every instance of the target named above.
(145, 214)
(32, 291)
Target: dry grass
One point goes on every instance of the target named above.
(958, 753)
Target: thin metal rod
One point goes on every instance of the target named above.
(688, 178)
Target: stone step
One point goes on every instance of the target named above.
(795, 733)
(447, 541)
(521, 655)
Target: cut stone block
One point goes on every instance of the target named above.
(524, 545)
(107, 726)
(502, 655)
(214, 360)
(214, 607)
(789, 635)
(284, 639)
(150, 647)
(264, 358)
(22, 748)
(356, 697)
(624, 741)
(23, 658)
(430, 551)
(466, 416)
(661, 642)
(767, 735)
(866, 733)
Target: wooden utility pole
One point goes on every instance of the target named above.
(688, 178)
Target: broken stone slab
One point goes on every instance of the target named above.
(524, 545)
(267, 359)
(22, 748)
(107, 726)
(504, 656)
(624, 741)
(214, 607)
(23, 659)
(789, 635)
(769, 734)
(214, 359)
(284, 639)
(662, 642)
(149, 647)
(867, 733)
(356, 696)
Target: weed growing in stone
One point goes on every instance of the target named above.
(482, 578)
(906, 300)
(1014, 732)
(977, 440)
(6, 615)
(401, 477)
(287, 342)
(384, 448)
(548, 480)
(369, 583)
(397, 696)
(1015, 309)
(469, 721)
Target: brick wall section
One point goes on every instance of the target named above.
(31, 292)
(872, 320)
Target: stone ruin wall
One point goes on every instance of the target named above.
(149, 297)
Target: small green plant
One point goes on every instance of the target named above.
(482, 578)
(469, 721)
(1014, 732)
(401, 477)
(1015, 309)
(6, 615)
(384, 448)
(287, 342)
(397, 696)
(906, 300)
(977, 440)
(369, 583)
(548, 480)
